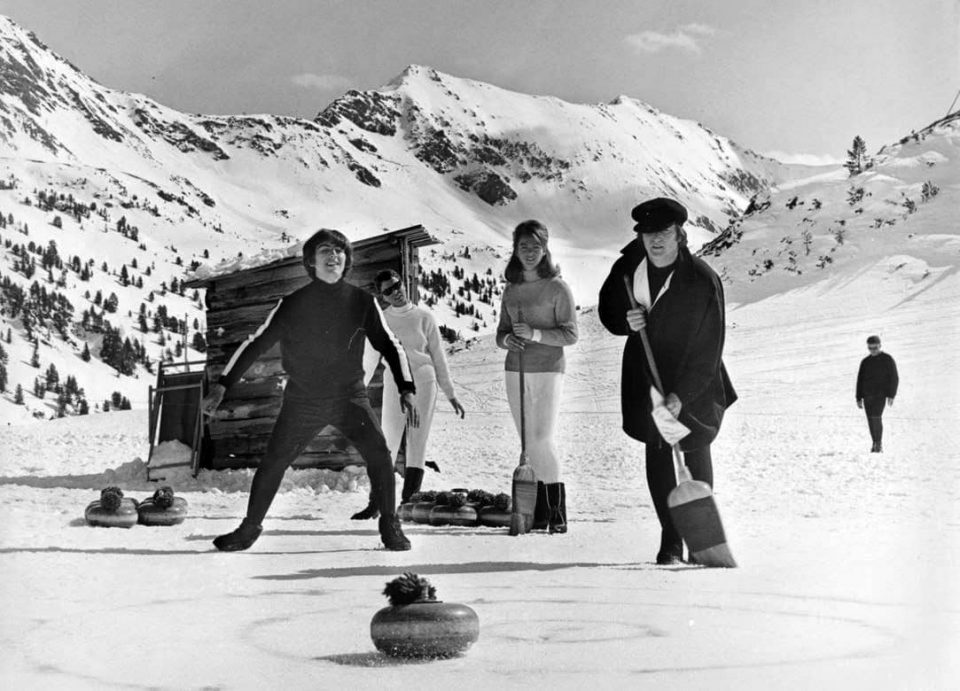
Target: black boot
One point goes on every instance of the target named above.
(392, 535)
(371, 510)
(412, 479)
(556, 494)
(671, 551)
(541, 511)
(240, 539)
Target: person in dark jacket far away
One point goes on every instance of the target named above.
(321, 329)
(877, 383)
(680, 305)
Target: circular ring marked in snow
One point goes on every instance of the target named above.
(567, 630)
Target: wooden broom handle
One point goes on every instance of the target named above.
(683, 473)
(523, 421)
(645, 340)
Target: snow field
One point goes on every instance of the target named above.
(846, 557)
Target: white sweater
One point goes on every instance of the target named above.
(418, 333)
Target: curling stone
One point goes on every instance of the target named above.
(492, 517)
(417, 625)
(111, 510)
(453, 515)
(497, 514)
(163, 508)
(421, 509)
(405, 511)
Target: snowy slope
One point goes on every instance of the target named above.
(846, 558)
(898, 217)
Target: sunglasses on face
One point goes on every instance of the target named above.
(873, 347)
(390, 290)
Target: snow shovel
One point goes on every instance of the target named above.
(692, 507)
(524, 492)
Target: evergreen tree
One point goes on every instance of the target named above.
(52, 376)
(83, 407)
(18, 396)
(63, 400)
(35, 358)
(85, 355)
(856, 157)
(3, 378)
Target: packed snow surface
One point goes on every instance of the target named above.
(847, 559)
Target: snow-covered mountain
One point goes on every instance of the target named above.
(133, 195)
(453, 154)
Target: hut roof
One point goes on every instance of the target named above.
(415, 236)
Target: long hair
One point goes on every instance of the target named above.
(546, 268)
(331, 237)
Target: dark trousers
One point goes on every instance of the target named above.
(873, 406)
(661, 478)
(298, 423)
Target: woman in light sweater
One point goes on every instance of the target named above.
(419, 335)
(537, 319)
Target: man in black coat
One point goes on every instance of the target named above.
(680, 304)
(877, 383)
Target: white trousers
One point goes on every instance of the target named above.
(541, 406)
(393, 420)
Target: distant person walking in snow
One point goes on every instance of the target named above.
(537, 319)
(321, 329)
(877, 383)
(680, 304)
(418, 333)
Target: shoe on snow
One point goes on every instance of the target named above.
(240, 539)
(371, 511)
(392, 535)
(668, 558)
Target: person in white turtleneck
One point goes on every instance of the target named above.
(419, 335)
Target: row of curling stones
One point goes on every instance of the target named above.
(418, 625)
(113, 510)
(458, 507)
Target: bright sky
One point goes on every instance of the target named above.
(792, 76)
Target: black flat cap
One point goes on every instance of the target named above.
(656, 214)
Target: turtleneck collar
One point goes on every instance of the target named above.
(401, 310)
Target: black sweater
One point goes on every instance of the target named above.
(877, 377)
(321, 329)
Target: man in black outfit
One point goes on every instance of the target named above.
(680, 305)
(877, 383)
(321, 329)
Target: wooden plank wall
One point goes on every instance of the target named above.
(237, 305)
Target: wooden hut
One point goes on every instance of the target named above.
(237, 304)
